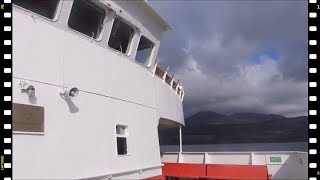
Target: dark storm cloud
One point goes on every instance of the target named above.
(236, 56)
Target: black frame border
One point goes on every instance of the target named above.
(313, 87)
(6, 90)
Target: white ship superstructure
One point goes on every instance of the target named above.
(88, 95)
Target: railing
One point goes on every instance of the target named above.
(280, 164)
(169, 80)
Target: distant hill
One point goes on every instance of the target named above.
(208, 127)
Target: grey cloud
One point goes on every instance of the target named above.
(211, 50)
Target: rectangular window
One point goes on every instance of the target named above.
(87, 17)
(121, 35)
(144, 50)
(46, 8)
(122, 135)
(122, 145)
(174, 85)
(168, 79)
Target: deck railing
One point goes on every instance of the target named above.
(169, 80)
(280, 164)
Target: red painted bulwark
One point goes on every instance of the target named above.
(170, 169)
(184, 170)
(216, 171)
(190, 170)
(247, 172)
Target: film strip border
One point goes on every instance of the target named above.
(6, 90)
(313, 65)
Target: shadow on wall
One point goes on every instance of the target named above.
(33, 100)
(72, 107)
(296, 167)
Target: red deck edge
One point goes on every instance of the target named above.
(184, 170)
(216, 171)
(247, 172)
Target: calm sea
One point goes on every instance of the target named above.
(291, 146)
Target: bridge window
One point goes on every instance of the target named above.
(121, 35)
(144, 50)
(46, 8)
(87, 17)
(122, 135)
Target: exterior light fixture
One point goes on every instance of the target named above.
(30, 90)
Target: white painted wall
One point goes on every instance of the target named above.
(295, 166)
(191, 158)
(80, 139)
(222, 158)
(83, 144)
(170, 158)
(169, 104)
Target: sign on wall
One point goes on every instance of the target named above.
(27, 118)
(276, 158)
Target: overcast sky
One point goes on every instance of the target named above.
(238, 56)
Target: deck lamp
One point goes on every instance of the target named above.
(30, 90)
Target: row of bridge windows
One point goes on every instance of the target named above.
(87, 17)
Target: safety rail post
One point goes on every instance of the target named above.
(165, 74)
(180, 138)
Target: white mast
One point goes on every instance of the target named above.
(180, 136)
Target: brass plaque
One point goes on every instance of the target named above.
(27, 118)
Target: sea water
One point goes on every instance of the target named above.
(284, 146)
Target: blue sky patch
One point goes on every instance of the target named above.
(270, 52)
